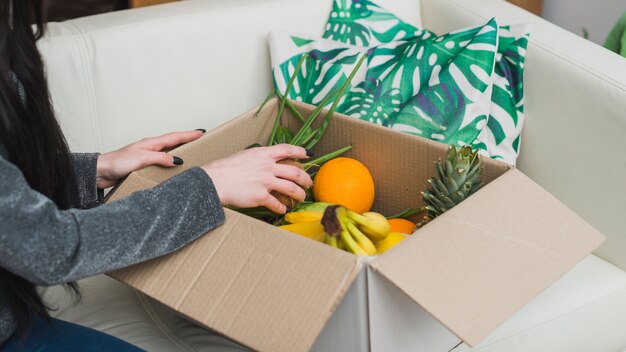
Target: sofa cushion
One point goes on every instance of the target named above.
(116, 309)
(583, 311)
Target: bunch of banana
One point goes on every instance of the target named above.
(307, 221)
(339, 227)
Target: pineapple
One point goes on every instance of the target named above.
(458, 176)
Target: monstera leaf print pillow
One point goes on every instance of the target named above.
(438, 88)
(364, 23)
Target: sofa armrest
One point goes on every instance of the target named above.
(573, 139)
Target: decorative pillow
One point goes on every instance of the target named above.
(501, 138)
(364, 23)
(437, 88)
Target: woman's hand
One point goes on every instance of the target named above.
(245, 179)
(117, 164)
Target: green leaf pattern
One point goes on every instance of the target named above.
(465, 87)
(368, 101)
(502, 134)
(364, 23)
(326, 69)
(437, 88)
(506, 114)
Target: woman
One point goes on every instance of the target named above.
(45, 239)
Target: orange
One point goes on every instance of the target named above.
(347, 182)
(402, 226)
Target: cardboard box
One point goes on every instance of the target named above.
(455, 279)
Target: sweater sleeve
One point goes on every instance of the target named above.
(48, 246)
(84, 165)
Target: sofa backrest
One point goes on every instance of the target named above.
(118, 77)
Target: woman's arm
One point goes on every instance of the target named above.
(95, 172)
(48, 246)
(85, 167)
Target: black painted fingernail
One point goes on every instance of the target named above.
(309, 153)
(201, 130)
(289, 209)
(177, 161)
(254, 145)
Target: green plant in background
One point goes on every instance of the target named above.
(616, 41)
(585, 33)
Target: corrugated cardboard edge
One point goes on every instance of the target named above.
(133, 183)
(221, 300)
(457, 267)
(172, 282)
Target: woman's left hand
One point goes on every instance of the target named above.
(118, 164)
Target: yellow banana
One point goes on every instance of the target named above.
(311, 229)
(373, 225)
(365, 243)
(303, 216)
(341, 246)
(351, 245)
(316, 206)
(320, 237)
(393, 239)
(331, 240)
(333, 221)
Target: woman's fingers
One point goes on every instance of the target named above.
(271, 203)
(247, 179)
(294, 174)
(287, 151)
(170, 140)
(160, 158)
(288, 188)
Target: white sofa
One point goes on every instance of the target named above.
(118, 77)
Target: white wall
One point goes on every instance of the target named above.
(598, 16)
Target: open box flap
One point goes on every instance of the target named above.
(259, 285)
(261, 288)
(477, 264)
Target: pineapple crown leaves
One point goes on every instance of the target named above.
(457, 177)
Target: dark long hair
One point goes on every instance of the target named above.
(30, 133)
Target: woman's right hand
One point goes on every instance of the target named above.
(247, 178)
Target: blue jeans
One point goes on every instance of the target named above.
(59, 335)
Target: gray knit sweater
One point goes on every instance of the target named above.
(48, 246)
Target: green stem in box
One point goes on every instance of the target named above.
(283, 100)
(337, 95)
(324, 158)
(406, 213)
(267, 98)
(257, 212)
(289, 106)
(305, 131)
(320, 132)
